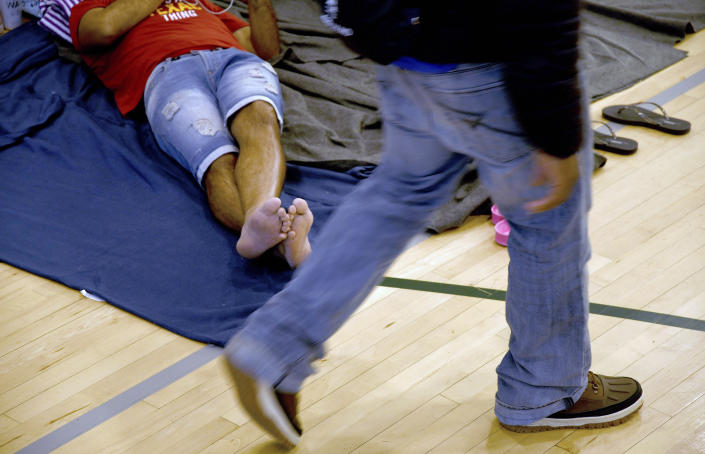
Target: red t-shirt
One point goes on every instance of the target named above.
(173, 29)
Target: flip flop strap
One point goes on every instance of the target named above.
(642, 115)
(663, 111)
(614, 136)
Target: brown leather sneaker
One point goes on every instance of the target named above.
(607, 401)
(272, 410)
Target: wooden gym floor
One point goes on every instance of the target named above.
(413, 370)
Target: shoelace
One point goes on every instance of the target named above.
(593, 382)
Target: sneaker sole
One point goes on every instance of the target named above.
(595, 422)
(262, 405)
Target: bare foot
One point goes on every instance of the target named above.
(265, 226)
(295, 248)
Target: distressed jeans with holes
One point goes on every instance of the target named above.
(189, 99)
(433, 124)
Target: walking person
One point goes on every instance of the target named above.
(497, 83)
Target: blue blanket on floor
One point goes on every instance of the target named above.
(87, 199)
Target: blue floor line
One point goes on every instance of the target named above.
(122, 402)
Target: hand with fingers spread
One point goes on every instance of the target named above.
(559, 175)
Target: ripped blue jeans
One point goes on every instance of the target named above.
(190, 99)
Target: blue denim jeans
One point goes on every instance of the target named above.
(190, 99)
(433, 124)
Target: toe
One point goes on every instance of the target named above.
(272, 205)
(300, 205)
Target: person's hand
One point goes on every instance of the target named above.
(558, 174)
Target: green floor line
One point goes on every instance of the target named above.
(499, 295)
(448, 289)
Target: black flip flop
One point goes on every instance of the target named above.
(632, 114)
(613, 143)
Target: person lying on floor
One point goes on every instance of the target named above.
(212, 100)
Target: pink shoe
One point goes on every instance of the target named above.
(502, 232)
(496, 215)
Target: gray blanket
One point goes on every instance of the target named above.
(330, 98)
(626, 41)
